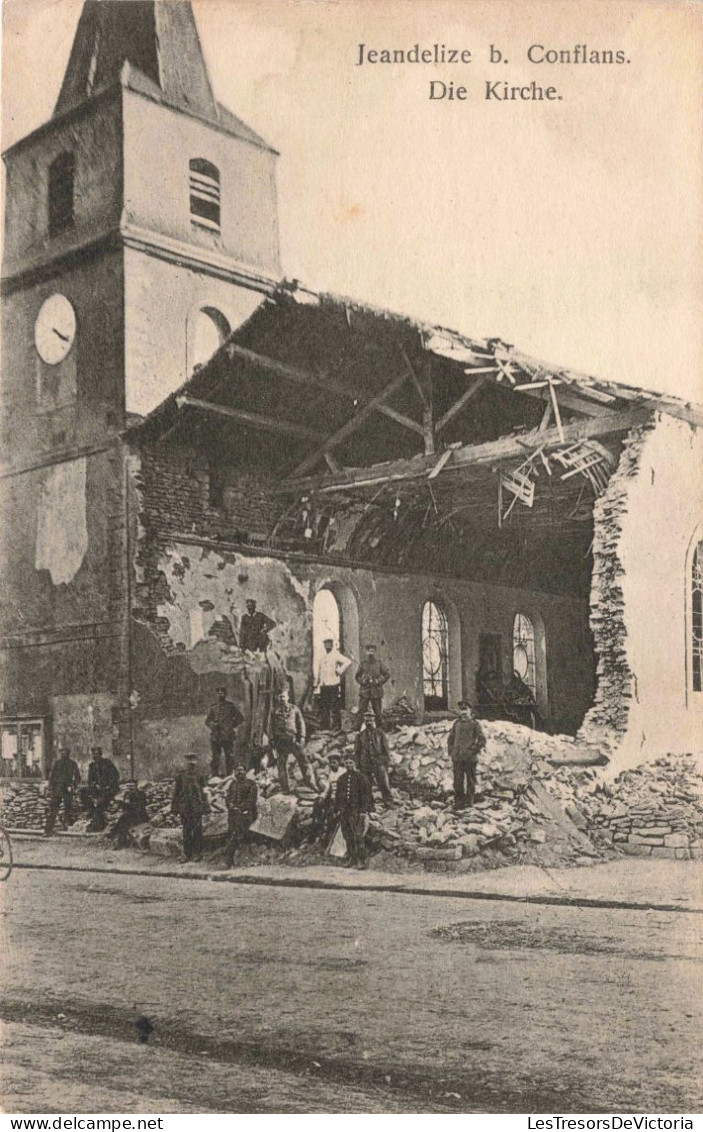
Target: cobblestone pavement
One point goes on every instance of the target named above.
(297, 1000)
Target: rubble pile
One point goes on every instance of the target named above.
(655, 810)
(23, 805)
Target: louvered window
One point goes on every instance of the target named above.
(61, 177)
(205, 194)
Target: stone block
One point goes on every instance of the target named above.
(683, 854)
(640, 839)
(166, 842)
(696, 854)
(651, 830)
(637, 850)
(451, 853)
(660, 851)
(676, 840)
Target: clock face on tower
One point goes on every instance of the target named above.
(55, 329)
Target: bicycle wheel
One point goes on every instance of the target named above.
(5, 855)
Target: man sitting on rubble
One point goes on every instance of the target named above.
(241, 799)
(520, 703)
(353, 802)
(103, 784)
(288, 738)
(134, 812)
(466, 739)
(372, 755)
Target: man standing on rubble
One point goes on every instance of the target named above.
(222, 721)
(353, 802)
(190, 803)
(103, 784)
(371, 675)
(254, 629)
(241, 799)
(373, 757)
(328, 679)
(466, 739)
(288, 738)
(63, 783)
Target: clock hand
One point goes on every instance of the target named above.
(63, 337)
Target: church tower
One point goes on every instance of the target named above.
(141, 227)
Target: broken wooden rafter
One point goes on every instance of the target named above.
(470, 455)
(256, 420)
(320, 381)
(555, 407)
(459, 404)
(350, 426)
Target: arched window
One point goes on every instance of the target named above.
(60, 200)
(205, 194)
(696, 634)
(524, 651)
(207, 329)
(435, 657)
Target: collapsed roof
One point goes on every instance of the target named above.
(395, 441)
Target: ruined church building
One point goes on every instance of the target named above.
(184, 430)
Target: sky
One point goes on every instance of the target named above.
(570, 228)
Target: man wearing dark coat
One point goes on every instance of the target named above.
(288, 738)
(254, 629)
(64, 778)
(134, 812)
(103, 784)
(222, 721)
(466, 739)
(190, 803)
(353, 802)
(241, 799)
(371, 676)
(372, 755)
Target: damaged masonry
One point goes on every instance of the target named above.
(362, 476)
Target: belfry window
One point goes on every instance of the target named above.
(205, 194)
(697, 618)
(435, 657)
(61, 178)
(524, 651)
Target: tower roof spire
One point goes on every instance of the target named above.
(158, 38)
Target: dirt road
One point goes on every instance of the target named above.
(282, 1000)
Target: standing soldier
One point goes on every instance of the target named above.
(288, 738)
(372, 755)
(330, 668)
(371, 675)
(465, 740)
(190, 803)
(254, 629)
(241, 799)
(222, 720)
(353, 802)
(63, 782)
(103, 784)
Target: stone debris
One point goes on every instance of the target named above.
(536, 803)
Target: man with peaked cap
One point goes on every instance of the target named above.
(353, 802)
(288, 738)
(103, 784)
(64, 778)
(466, 739)
(371, 676)
(328, 679)
(190, 803)
(241, 799)
(372, 755)
(254, 629)
(222, 721)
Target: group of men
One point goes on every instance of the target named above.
(65, 790)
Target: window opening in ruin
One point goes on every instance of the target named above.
(61, 189)
(205, 194)
(524, 651)
(697, 618)
(206, 331)
(22, 749)
(435, 657)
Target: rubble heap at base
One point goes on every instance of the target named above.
(535, 803)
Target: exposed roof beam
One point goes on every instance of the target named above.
(459, 404)
(256, 420)
(351, 426)
(321, 381)
(506, 448)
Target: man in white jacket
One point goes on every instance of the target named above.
(328, 682)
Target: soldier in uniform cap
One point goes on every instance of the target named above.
(371, 676)
(466, 739)
(222, 721)
(372, 755)
(63, 783)
(190, 803)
